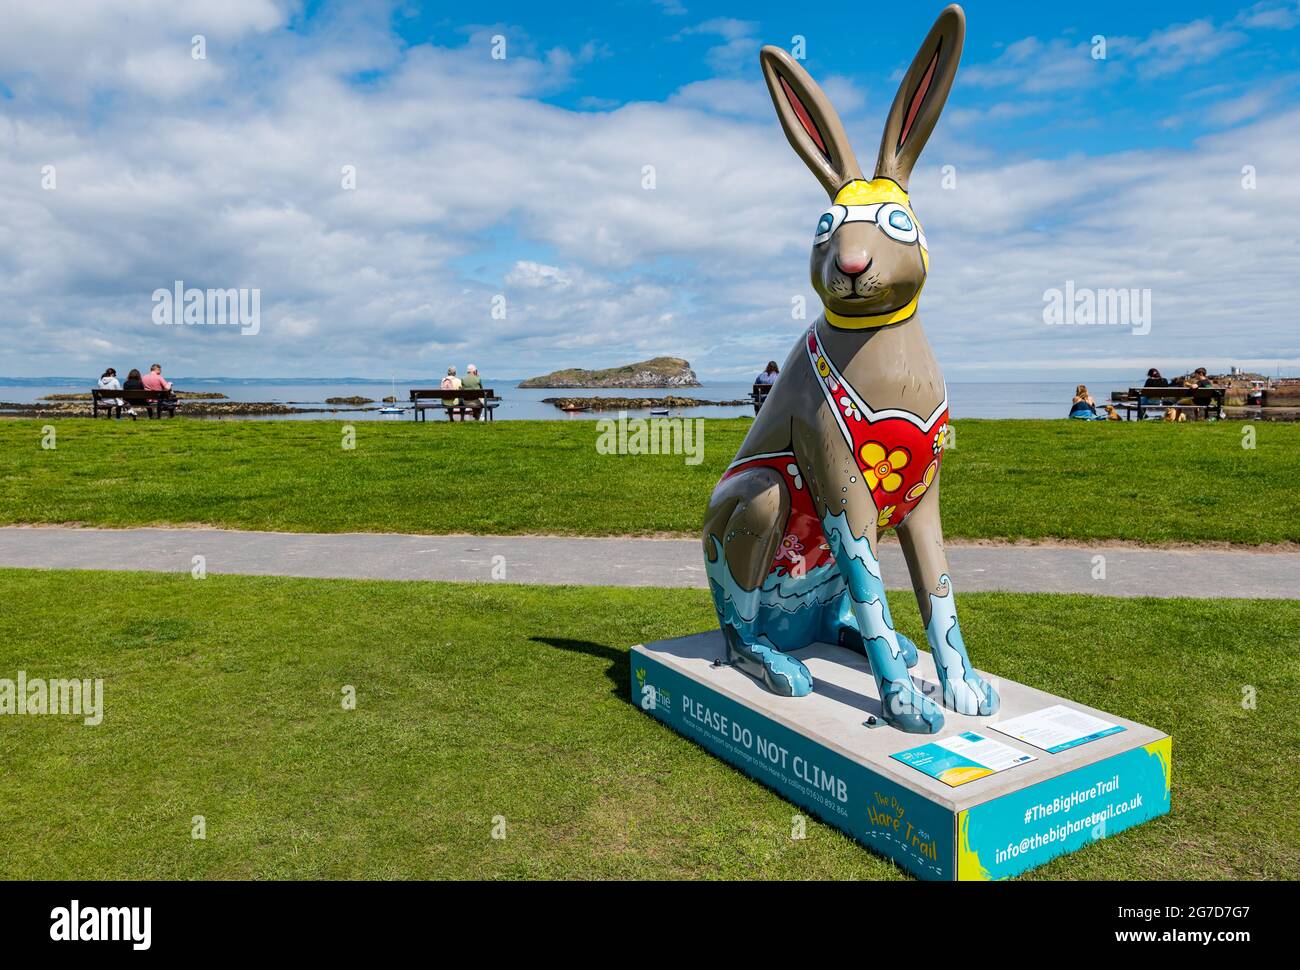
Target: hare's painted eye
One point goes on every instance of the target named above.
(897, 223)
(828, 223)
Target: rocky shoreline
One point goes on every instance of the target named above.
(184, 395)
(634, 403)
(193, 404)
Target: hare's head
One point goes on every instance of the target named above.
(869, 257)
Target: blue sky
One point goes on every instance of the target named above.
(645, 51)
(521, 180)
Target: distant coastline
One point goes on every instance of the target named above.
(304, 398)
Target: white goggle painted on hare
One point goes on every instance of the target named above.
(893, 219)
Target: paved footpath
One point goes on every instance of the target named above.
(1129, 571)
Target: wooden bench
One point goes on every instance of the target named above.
(1139, 400)
(470, 400)
(759, 394)
(153, 402)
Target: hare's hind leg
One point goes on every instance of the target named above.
(742, 530)
(841, 627)
(921, 536)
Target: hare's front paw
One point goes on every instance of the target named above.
(779, 672)
(907, 709)
(971, 695)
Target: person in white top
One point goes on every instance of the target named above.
(451, 383)
(108, 381)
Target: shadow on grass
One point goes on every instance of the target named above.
(618, 673)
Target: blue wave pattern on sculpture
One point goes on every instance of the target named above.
(965, 691)
(904, 706)
(788, 608)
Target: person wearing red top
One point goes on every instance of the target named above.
(154, 381)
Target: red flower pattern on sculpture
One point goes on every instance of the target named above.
(880, 467)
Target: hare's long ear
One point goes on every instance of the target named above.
(921, 97)
(810, 123)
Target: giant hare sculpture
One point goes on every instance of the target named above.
(849, 441)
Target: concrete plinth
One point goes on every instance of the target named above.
(818, 752)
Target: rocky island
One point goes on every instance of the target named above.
(633, 403)
(656, 372)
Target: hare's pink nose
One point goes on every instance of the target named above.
(852, 263)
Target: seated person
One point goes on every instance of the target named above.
(1083, 406)
(768, 378)
(472, 382)
(154, 381)
(1153, 380)
(133, 381)
(451, 383)
(109, 382)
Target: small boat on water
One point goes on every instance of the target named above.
(393, 408)
(659, 412)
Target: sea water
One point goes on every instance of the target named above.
(1021, 399)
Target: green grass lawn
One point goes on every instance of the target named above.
(1004, 480)
(222, 699)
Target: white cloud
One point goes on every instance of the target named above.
(1174, 48)
(725, 96)
(532, 275)
(1270, 15)
(739, 47)
(1241, 108)
(69, 51)
(730, 28)
(1037, 67)
(1062, 64)
(673, 8)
